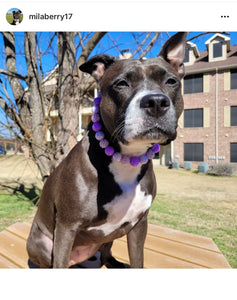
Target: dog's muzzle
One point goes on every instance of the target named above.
(155, 105)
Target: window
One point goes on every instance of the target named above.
(233, 79)
(193, 117)
(193, 151)
(233, 152)
(233, 116)
(187, 56)
(193, 84)
(217, 50)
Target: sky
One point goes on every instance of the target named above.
(123, 41)
(12, 9)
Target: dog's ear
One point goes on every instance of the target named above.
(97, 65)
(173, 51)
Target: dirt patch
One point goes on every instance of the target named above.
(16, 170)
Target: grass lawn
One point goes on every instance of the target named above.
(9, 18)
(200, 204)
(186, 201)
(14, 208)
(19, 189)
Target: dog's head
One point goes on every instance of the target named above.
(17, 15)
(141, 99)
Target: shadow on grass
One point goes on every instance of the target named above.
(32, 193)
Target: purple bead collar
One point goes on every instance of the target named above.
(109, 150)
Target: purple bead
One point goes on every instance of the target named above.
(143, 159)
(109, 151)
(97, 100)
(155, 148)
(150, 154)
(134, 161)
(117, 156)
(99, 135)
(95, 118)
(96, 126)
(104, 143)
(125, 160)
(95, 109)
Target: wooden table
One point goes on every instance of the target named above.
(164, 248)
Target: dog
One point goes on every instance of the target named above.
(16, 17)
(93, 197)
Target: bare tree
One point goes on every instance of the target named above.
(68, 90)
(28, 110)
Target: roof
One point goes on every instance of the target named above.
(203, 65)
(194, 47)
(219, 36)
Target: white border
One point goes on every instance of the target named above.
(118, 284)
(125, 16)
(122, 284)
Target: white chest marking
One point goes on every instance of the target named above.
(125, 208)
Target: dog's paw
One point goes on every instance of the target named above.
(127, 266)
(113, 263)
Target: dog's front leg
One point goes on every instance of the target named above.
(136, 239)
(63, 242)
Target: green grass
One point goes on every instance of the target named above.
(14, 208)
(20, 185)
(209, 209)
(9, 18)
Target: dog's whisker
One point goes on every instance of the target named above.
(118, 130)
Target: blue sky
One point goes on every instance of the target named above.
(11, 10)
(124, 40)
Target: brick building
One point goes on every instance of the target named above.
(208, 127)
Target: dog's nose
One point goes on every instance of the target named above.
(155, 105)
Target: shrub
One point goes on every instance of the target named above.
(223, 169)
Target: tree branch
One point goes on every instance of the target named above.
(204, 33)
(151, 44)
(13, 74)
(141, 44)
(15, 116)
(10, 128)
(7, 109)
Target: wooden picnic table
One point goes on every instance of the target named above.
(164, 248)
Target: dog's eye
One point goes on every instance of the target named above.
(171, 81)
(121, 83)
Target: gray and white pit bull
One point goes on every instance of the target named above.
(16, 17)
(91, 199)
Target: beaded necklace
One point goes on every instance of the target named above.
(109, 150)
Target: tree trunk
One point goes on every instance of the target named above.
(69, 90)
(28, 111)
(67, 123)
(38, 139)
(21, 99)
